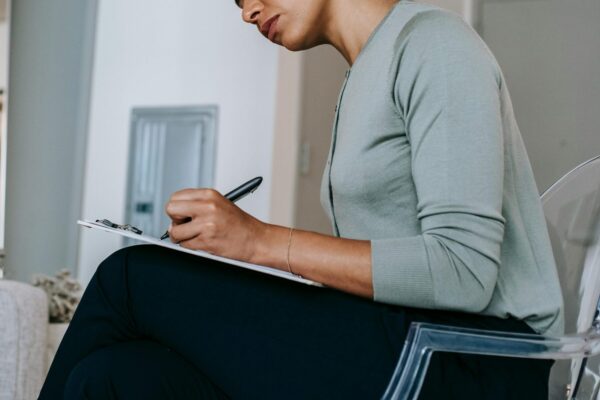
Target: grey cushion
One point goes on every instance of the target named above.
(23, 336)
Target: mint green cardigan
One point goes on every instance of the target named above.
(427, 162)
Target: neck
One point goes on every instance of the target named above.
(351, 22)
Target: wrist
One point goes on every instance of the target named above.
(271, 247)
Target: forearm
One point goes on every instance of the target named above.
(343, 264)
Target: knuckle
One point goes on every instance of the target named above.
(169, 208)
(175, 195)
(182, 194)
(210, 232)
(186, 190)
(212, 206)
(212, 193)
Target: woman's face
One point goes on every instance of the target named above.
(297, 24)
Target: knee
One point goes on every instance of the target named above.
(113, 371)
(113, 266)
(135, 369)
(131, 267)
(90, 379)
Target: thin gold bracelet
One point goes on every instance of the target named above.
(288, 251)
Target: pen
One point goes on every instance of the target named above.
(239, 192)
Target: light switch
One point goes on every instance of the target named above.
(304, 158)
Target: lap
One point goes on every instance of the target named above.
(261, 336)
(258, 335)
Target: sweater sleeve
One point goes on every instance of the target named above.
(446, 89)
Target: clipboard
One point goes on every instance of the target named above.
(200, 253)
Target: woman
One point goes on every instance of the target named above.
(436, 217)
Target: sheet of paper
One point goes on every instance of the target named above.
(200, 253)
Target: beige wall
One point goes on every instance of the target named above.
(323, 72)
(286, 137)
(453, 5)
(308, 86)
(549, 52)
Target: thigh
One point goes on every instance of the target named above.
(140, 369)
(259, 336)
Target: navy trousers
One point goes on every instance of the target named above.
(155, 323)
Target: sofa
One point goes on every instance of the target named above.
(26, 347)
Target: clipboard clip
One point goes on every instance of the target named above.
(125, 227)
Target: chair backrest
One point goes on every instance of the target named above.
(572, 210)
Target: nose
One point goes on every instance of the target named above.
(251, 11)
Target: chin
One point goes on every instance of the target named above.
(295, 46)
(296, 43)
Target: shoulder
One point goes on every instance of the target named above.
(435, 46)
(435, 33)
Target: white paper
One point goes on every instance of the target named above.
(200, 253)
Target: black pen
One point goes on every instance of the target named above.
(239, 192)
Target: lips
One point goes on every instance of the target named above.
(265, 29)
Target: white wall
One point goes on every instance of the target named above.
(185, 52)
(50, 65)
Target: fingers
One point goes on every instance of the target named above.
(187, 203)
(193, 231)
(183, 232)
(181, 210)
(195, 244)
(195, 194)
(175, 222)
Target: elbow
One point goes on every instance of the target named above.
(478, 299)
(464, 279)
(477, 290)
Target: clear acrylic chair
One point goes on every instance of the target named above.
(572, 210)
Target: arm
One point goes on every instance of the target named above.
(447, 92)
(344, 264)
(202, 219)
